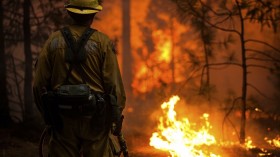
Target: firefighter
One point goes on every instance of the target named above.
(79, 126)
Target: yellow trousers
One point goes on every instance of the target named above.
(80, 138)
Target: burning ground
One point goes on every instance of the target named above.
(173, 133)
(175, 127)
(168, 59)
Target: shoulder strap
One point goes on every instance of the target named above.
(75, 53)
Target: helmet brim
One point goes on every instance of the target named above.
(84, 11)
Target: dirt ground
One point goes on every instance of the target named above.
(17, 141)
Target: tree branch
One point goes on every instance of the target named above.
(196, 14)
(264, 60)
(225, 63)
(213, 11)
(262, 53)
(256, 89)
(276, 20)
(223, 20)
(228, 113)
(264, 43)
(192, 75)
(259, 66)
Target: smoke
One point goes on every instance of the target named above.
(143, 108)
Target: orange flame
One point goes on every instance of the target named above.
(163, 46)
(163, 62)
(249, 143)
(180, 137)
(274, 142)
(155, 68)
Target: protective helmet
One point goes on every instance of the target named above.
(83, 6)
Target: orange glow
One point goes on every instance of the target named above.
(155, 69)
(249, 143)
(182, 138)
(163, 46)
(163, 62)
(274, 142)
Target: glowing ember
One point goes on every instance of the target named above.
(182, 138)
(274, 142)
(249, 143)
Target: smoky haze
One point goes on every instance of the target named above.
(167, 58)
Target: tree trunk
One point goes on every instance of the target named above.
(4, 105)
(206, 85)
(126, 46)
(244, 80)
(206, 46)
(28, 99)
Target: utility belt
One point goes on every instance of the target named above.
(80, 100)
(74, 100)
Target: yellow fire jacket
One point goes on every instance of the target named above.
(101, 66)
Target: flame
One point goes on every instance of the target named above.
(155, 67)
(164, 44)
(181, 138)
(249, 143)
(154, 70)
(274, 142)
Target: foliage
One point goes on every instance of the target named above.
(231, 17)
(265, 12)
(161, 38)
(45, 17)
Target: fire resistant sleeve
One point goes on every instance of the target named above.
(112, 77)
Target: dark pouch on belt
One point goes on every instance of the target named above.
(73, 94)
(76, 99)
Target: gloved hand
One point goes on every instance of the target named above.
(116, 114)
(116, 127)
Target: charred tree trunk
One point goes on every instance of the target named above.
(206, 84)
(28, 100)
(207, 50)
(206, 38)
(244, 78)
(4, 102)
(126, 45)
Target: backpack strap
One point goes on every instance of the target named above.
(75, 53)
